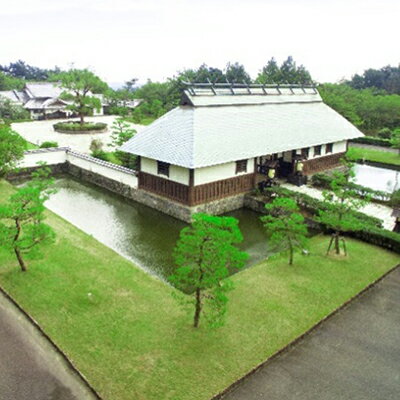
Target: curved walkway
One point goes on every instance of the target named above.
(30, 367)
(354, 355)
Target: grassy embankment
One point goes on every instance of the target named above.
(124, 331)
(384, 157)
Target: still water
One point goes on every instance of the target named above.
(385, 180)
(139, 233)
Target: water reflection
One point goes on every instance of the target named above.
(386, 180)
(137, 232)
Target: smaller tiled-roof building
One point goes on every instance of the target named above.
(211, 149)
(41, 99)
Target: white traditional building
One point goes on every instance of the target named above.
(213, 146)
(42, 100)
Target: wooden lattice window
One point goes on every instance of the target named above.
(241, 166)
(317, 150)
(163, 168)
(329, 148)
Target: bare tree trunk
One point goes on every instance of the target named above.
(20, 260)
(197, 309)
(330, 245)
(81, 116)
(290, 253)
(16, 249)
(337, 246)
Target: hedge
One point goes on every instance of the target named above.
(372, 233)
(324, 181)
(76, 126)
(313, 205)
(375, 141)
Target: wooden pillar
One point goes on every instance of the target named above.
(191, 187)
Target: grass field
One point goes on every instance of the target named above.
(384, 157)
(124, 331)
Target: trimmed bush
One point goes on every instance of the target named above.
(312, 205)
(324, 181)
(385, 133)
(47, 145)
(74, 126)
(375, 141)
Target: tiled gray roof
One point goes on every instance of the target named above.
(43, 89)
(10, 95)
(195, 137)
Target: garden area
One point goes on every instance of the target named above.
(125, 332)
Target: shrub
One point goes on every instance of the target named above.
(100, 154)
(385, 133)
(12, 112)
(46, 145)
(76, 126)
(375, 141)
(395, 199)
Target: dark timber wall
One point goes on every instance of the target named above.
(195, 195)
(322, 163)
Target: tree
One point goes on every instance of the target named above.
(285, 225)
(12, 147)
(12, 111)
(22, 229)
(236, 73)
(79, 85)
(20, 69)
(121, 133)
(395, 139)
(8, 82)
(204, 254)
(288, 72)
(340, 202)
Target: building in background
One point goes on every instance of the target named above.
(42, 100)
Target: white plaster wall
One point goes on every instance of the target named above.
(338, 147)
(50, 158)
(219, 172)
(104, 170)
(176, 174)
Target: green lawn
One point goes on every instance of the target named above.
(384, 157)
(130, 339)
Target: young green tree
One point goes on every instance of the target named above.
(12, 147)
(285, 225)
(340, 203)
(204, 254)
(79, 85)
(121, 133)
(22, 229)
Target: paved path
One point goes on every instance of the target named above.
(376, 210)
(355, 355)
(37, 132)
(30, 368)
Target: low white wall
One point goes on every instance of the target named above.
(62, 155)
(118, 174)
(176, 174)
(219, 172)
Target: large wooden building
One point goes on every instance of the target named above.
(214, 144)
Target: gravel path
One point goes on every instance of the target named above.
(37, 132)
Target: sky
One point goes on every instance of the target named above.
(153, 39)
